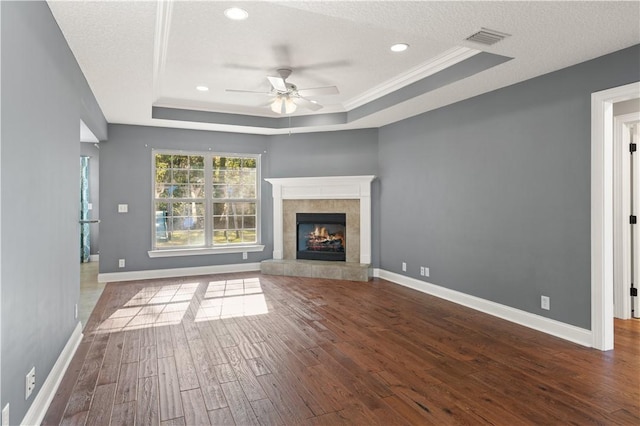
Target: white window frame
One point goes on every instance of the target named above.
(208, 200)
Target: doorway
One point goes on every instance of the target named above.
(602, 210)
(89, 249)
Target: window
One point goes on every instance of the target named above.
(205, 200)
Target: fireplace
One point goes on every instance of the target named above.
(327, 194)
(321, 236)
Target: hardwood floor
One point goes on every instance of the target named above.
(90, 290)
(251, 349)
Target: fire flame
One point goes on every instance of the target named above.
(320, 234)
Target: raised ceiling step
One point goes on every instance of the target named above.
(317, 269)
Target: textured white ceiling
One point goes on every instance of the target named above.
(139, 54)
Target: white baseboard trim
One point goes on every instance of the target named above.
(177, 272)
(559, 329)
(94, 258)
(45, 395)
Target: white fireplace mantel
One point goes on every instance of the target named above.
(323, 188)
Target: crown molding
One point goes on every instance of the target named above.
(434, 65)
(161, 43)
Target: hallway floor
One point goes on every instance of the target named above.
(90, 290)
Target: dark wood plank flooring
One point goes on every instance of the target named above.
(249, 349)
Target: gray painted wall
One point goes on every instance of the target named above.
(44, 96)
(493, 193)
(125, 178)
(89, 149)
(346, 153)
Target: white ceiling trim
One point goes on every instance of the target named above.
(86, 135)
(434, 65)
(160, 44)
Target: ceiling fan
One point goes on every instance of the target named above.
(287, 96)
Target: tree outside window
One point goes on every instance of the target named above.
(205, 200)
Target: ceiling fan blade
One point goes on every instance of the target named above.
(319, 91)
(278, 83)
(308, 104)
(247, 91)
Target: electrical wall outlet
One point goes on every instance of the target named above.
(5, 415)
(30, 382)
(120, 263)
(123, 208)
(75, 316)
(422, 271)
(244, 255)
(545, 302)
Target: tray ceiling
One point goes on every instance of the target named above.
(144, 59)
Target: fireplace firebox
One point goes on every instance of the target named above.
(321, 236)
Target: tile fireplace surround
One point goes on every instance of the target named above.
(331, 194)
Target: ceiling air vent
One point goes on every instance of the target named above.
(487, 37)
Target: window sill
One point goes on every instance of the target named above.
(205, 251)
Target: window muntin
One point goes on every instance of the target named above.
(205, 200)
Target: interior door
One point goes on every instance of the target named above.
(635, 233)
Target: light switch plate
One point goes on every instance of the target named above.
(545, 302)
(123, 208)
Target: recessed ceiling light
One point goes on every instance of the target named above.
(202, 88)
(236, 14)
(399, 47)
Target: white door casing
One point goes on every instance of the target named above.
(602, 203)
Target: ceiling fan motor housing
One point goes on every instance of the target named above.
(284, 72)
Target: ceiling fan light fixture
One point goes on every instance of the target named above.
(236, 14)
(289, 106)
(276, 106)
(399, 47)
(283, 105)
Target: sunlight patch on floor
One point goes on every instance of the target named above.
(232, 298)
(156, 306)
(150, 307)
